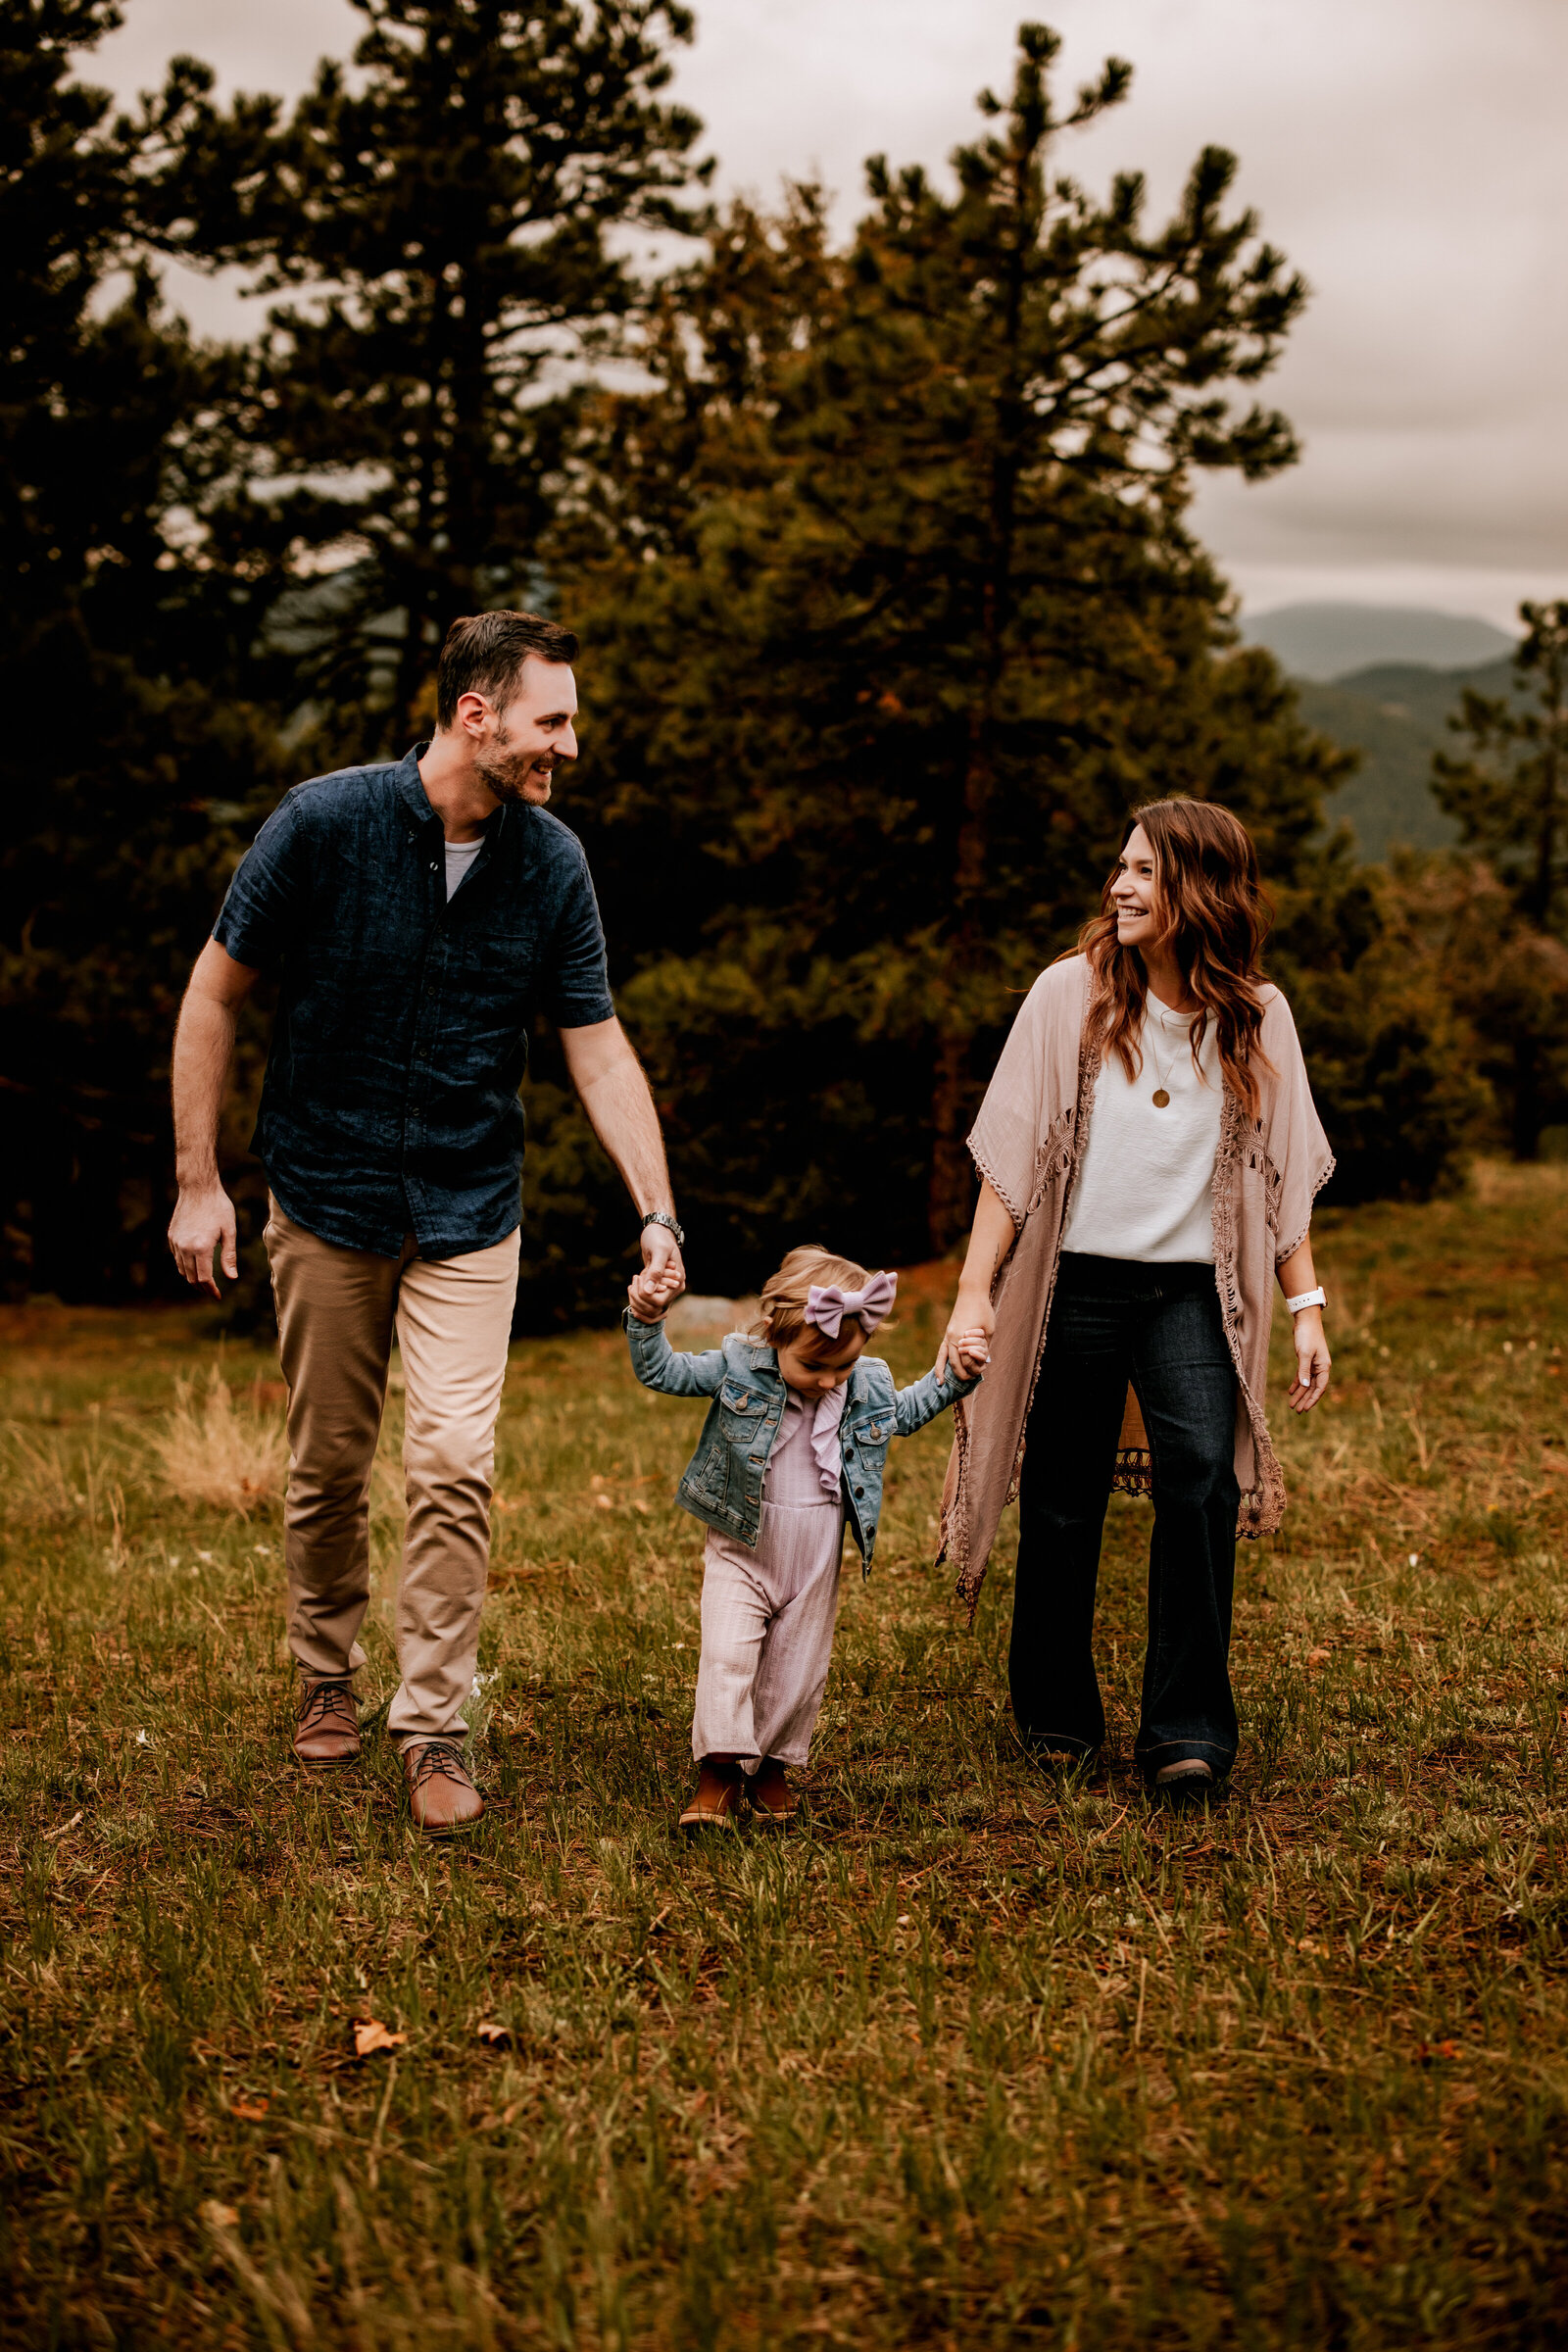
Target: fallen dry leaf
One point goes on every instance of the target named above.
(372, 2037)
(219, 2217)
(250, 2111)
(1317, 1657)
(489, 2031)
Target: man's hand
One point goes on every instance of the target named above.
(202, 1223)
(204, 1214)
(662, 1279)
(608, 1077)
(1312, 1360)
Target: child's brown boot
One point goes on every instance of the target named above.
(718, 1794)
(773, 1800)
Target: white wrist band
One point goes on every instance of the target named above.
(1317, 1298)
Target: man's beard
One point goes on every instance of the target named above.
(514, 775)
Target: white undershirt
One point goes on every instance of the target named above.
(1144, 1188)
(460, 854)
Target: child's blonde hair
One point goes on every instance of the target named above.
(784, 1295)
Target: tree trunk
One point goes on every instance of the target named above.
(1526, 1098)
(952, 1189)
(951, 1192)
(951, 1200)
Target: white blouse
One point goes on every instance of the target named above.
(1145, 1187)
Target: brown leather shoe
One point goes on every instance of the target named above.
(442, 1798)
(326, 1722)
(773, 1802)
(719, 1795)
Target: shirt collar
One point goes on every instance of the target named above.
(412, 792)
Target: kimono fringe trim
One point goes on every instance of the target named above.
(1057, 1158)
(1318, 1182)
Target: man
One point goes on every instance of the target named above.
(417, 914)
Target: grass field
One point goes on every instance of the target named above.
(970, 2060)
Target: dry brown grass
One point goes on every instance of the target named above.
(975, 2058)
(211, 1450)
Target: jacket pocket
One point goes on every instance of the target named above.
(741, 1414)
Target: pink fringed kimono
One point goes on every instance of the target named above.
(1028, 1142)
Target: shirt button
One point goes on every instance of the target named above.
(860, 1491)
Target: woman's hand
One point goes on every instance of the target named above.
(971, 1328)
(1312, 1360)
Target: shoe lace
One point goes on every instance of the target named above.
(329, 1695)
(442, 1756)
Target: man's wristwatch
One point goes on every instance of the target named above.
(661, 1216)
(1317, 1298)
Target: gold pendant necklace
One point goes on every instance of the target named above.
(1152, 1022)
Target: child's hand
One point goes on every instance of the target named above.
(970, 1325)
(649, 1295)
(970, 1351)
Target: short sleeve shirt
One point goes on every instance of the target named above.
(390, 1103)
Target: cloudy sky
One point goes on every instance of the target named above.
(1407, 155)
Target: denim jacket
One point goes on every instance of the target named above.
(722, 1483)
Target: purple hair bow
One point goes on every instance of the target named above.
(826, 1305)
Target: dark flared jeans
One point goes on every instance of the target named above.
(1113, 1320)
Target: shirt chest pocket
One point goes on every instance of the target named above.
(871, 1430)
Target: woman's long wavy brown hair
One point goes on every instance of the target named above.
(1217, 918)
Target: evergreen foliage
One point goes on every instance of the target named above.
(890, 603)
(1510, 797)
(448, 221)
(133, 739)
(893, 615)
(1510, 793)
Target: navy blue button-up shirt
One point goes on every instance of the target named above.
(390, 1104)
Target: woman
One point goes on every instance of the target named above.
(1150, 1154)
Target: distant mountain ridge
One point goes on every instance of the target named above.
(1384, 680)
(1396, 715)
(1329, 641)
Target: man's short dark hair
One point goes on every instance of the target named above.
(484, 654)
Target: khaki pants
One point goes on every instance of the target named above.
(336, 1313)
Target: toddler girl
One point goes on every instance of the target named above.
(793, 1446)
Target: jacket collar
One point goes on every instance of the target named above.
(765, 1359)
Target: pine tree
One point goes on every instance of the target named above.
(897, 614)
(1510, 796)
(1510, 791)
(448, 221)
(128, 748)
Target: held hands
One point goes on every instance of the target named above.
(652, 1293)
(204, 1222)
(1312, 1360)
(966, 1341)
(970, 1352)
